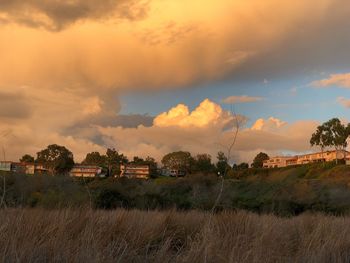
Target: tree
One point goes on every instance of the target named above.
(58, 159)
(258, 161)
(202, 163)
(113, 161)
(95, 158)
(222, 165)
(178, 161)
(241, 166)
(331, 134)
(27, 159)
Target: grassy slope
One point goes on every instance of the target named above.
(316, 187)
(170, 236)
(285, 191)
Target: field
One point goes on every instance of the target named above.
(36, 235)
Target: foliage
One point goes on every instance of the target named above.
(178, 160)
(259, 160)
(222, 166)
(58, 159)
(27, 159)
(113, 161)
(202, 164)
(331, 134)
(95, 158)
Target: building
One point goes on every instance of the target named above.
(5, 166)
(326, 156)
(173, 172)
(135, 171)
(85, 171)
(280, 161)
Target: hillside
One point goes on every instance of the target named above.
(283, 191)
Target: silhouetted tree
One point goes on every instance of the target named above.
(222, 165)
(58, 159)
(202, 163)
(113, 161)
(258, 161)
(178, 160)
(27, 159)
(331, 134)
(95, 158)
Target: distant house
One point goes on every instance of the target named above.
(135, 171)
(85, 171)
(23, 168)
(173, 172)
(5, 166)
(327, 156)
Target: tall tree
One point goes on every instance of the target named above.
(27, 159)
(202, 163)
(95, 158)
(331, 134)
(178, 160)
(113, 161)
(58, 159)
(320, 138)
(222, 165)
(259, 159)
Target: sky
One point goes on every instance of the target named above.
(149, 77)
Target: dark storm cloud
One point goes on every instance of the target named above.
(87, 128)
(58, 14)
(14, 106)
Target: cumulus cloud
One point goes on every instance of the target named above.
(340, 80)
(241, 99)
(269, 124)
(65, 62)
(207, 129)
(207, 113)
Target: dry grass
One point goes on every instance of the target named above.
(136, 236)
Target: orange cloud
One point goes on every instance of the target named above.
(341, 80)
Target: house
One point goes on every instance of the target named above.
(141, 171)
(327, 156)
(280, 161)
(85, 171)
(5, 166)
(173, 172)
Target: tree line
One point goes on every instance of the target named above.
(59, 160)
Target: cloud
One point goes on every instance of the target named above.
(66, 62)
(185, 44)
(207, 129)
(340, 80)
(269, 124)
(14, 106)
(206, 113)
(241, 99)
(344, 102)
(58, 14)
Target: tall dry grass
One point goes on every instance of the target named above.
(135, 236)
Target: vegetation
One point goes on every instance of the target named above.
(27, 159)
(331, 134)
(283, 191)
(58, 159)
(121, 235)
(178, 160)
(258, 161)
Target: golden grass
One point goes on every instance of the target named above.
(139, 236)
